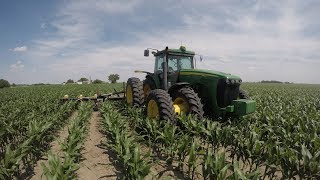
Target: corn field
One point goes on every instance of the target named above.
(281, 140)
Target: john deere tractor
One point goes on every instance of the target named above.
(177, 87)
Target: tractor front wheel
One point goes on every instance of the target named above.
(159, 105)
(134, 92)
(186, 101)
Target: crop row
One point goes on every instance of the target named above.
(125, 144)
(19, 106)
(280, 140)
(191, 155)
(36, 138)
(284, 132)
(65, 167)
(29, 120)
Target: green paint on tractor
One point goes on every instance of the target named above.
(219, 91)
(209, 85)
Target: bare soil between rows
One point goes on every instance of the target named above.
(97, 163)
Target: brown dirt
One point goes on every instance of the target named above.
(96, 163)
(55, 149)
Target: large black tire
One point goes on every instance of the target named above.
(164, 105)
(134, 92)
(148, 85)
(243, 94)
(191, 98)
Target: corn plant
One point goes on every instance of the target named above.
(136, 165)
(215, 166)
(193, 155)
(57, 169)
(149, 129)
(239, 174)
(10, 162)
(183, 145)
(167, 139)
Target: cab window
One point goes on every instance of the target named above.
(172, 64)
(176, 63)
(158, 64)
(186, 63)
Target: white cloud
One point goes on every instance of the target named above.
(102, 6)
(258, 40)
(43, 25)
(18, 66)
(20, 49)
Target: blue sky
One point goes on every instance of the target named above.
(52, 41)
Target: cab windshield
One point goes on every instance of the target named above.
(175, 63)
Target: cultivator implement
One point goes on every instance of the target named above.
(96, 99)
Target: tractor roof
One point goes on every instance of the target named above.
(181, 51)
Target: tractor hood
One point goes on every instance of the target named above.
(201, 72)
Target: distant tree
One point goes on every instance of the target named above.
(83, 79)
(113, 78)
(70, 81)
(13, 85)
(272, 81)
(4, 83)
(39, 84)
(97, 81)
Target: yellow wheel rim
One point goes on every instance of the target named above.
(152, 109)
(146, 90)
(129, 95)
(180, 106)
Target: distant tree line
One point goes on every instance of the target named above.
(274, 81)
(112, 78)
(40, 84)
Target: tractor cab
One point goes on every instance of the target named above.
(175, 63)
(172, 61)
(177, 59)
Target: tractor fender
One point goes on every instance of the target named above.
(155, 79)
(177, 86)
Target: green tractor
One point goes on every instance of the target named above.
(177, 87)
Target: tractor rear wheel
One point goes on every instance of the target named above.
(159, 105)
(134, 92)
(243, 94)
(148, 85)
(186, 101)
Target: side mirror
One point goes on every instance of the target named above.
(146, 52)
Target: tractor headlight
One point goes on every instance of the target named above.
(233, 81)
